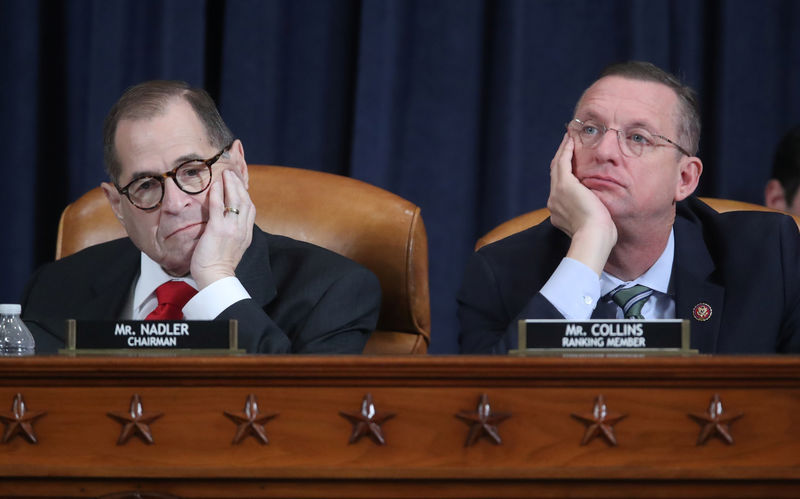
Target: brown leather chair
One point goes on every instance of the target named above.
(374, 227)
(535, 217)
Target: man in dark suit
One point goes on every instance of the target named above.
(179, 187)
(782, 189)
(624, 221)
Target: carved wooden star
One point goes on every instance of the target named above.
(367, 422)
(483, 422)
(599, 422)
(250, 422)
(20, 420)
(715, 422)
(135, 421)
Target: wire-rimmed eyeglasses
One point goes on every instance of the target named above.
(192, 177)
(633, 142)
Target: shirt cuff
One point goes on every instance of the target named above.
(573, 289)
(209, 302)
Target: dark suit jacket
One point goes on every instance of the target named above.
(304, 298)
(745, 265)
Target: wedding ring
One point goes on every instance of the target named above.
(232, 210)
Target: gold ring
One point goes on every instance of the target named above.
(232, 210)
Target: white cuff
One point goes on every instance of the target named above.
(209, 302)
(573, 289)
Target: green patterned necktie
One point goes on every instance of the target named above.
(631, 300)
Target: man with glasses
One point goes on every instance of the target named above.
(627, 239)
(179, 187)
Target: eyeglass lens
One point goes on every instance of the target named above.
(191, 178)
(632, 142)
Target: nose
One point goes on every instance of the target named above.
(174, 198)
(609, 148)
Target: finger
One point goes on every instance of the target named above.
(236, 196)
(562, 161)
(215, 202)
(251, 213)
(569, 154)
(559, 150)
(565, 155)
(232, 184)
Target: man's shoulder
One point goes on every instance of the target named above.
(302, 257)
(734, 240)
(740, 224)
(97, 257)
(303, 273)
(61, 288)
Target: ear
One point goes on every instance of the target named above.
(689, 171)
(114, 199)
(774, 195)
(240, 165)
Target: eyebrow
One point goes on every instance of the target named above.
(186, 158)
(641, 124)
(636, 124)
(175, 163)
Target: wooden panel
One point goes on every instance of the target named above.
(308, 454)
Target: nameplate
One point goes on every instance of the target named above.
(660, 336)
(91, 336)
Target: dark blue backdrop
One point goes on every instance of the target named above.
(456, 105)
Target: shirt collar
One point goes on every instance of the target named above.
(151, 276)
(656, 277)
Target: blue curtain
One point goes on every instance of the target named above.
(456, 105)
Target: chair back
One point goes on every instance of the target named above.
(365, 223)
(526, 220)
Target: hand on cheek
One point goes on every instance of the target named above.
(578, 212)
(227, 234)
(572, 205)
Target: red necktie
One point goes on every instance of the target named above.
(172, 296)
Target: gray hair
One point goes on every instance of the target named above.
(688, 108)
(149, 99)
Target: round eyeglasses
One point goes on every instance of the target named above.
(192, 177)
(633, 142)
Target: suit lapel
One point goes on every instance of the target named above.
(111, 288)
(255, 272)
(692, 285)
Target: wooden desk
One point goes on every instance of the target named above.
(308, 454)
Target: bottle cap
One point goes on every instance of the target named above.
(10, 308)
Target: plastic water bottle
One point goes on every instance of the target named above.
(15, 337)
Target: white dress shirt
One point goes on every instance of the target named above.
(574, 289)
(207, 304)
